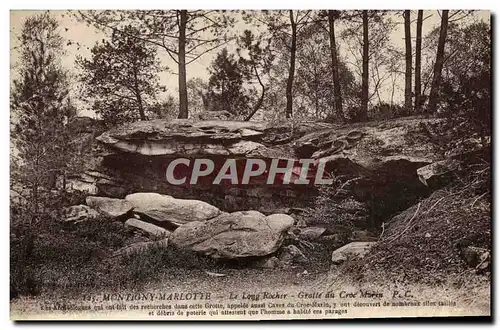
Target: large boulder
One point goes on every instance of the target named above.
(165, 208)
(110, 207)
(234, 235)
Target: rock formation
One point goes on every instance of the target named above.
(134, 157)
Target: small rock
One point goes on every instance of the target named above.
(79, 213)
(354, 250)
(310, 233)
(484, 262)
(301, 223)
(304, 273)
(427, 235)
(291, 254)
(215, 274)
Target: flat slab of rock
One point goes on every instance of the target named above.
(109, 207)
(173, 210)
(379, 147)
(234, 235)
(354, 250)
(147, 228)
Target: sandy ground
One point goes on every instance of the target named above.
(258, 294)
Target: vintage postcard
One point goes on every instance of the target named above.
(250, 165)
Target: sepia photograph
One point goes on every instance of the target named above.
(250, 164)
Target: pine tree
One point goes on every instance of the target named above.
(225, 85)
(122, 78)
(40, 110)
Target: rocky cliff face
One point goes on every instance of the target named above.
(134, 158)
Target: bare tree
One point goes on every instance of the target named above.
(438, 65)
(418, 61)
(363, 115)
(184, 35)
(337, 92)
(408, 71)
(256, 65)
(284, 28)
(291, 71)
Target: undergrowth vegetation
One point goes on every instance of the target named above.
(81, 257)
(421, 244)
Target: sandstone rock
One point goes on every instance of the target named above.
(149, 229)
(291, 254)
(79, 213)
(158, 137)
(354, 250)
(310, 233)
(169, 209)
(437, 170)
(369, 147)
(484, 262)
(93, 182)
(381, 153)
(234, 235)
(109, 207)
(140, 247)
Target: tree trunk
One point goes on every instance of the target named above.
(337, 92)
(261, 99)
(438, 66)
(183, 99)
(141, 107)
(418, 60)
(291, 72)
(408, 100)
(363, 115)
(142, 115)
